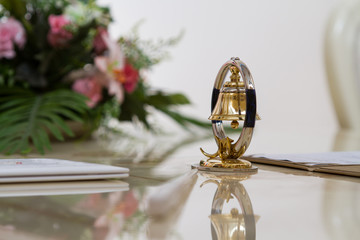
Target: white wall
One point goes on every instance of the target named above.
(281, 41)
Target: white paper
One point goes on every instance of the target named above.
(45, 169)
(312, 159)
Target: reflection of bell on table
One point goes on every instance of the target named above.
(229, 226)
(235, 101)
(239, 223)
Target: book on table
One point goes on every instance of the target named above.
(343, 163)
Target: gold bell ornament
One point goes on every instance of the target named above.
(234, 101)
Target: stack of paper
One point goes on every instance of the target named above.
(44, 170)
(344, 163)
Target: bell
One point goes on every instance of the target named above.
(232, 100)
(231, 103)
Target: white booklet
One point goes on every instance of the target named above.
(45, 170)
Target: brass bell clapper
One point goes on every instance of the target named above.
(234, 102)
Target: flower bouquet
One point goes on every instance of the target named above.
(59, 64)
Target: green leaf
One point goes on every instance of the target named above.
(44, 139)
(160, 99)
(53, 129)
(25, 118)
(183, 120)
(37, 143)
(17, 8)
(60, 122)
(134, 106)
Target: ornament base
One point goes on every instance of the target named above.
(229, 165)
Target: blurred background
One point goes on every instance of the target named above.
(282, 42)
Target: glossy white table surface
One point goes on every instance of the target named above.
(165, 200)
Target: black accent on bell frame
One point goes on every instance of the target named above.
(250, 116)
(215, 121)
(214, 98)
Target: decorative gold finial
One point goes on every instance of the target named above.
(235, 77)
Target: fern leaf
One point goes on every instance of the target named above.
(25, 117)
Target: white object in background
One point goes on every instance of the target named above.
(342, 44)
(44, 170)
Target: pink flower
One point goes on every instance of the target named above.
(58, 36)
(99, 43)
(119, 75)
(89, 87)
(57, 23)
(111, 67)
(131, 78)
(17, 32)
(11, 32)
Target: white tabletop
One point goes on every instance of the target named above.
(165, 200)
